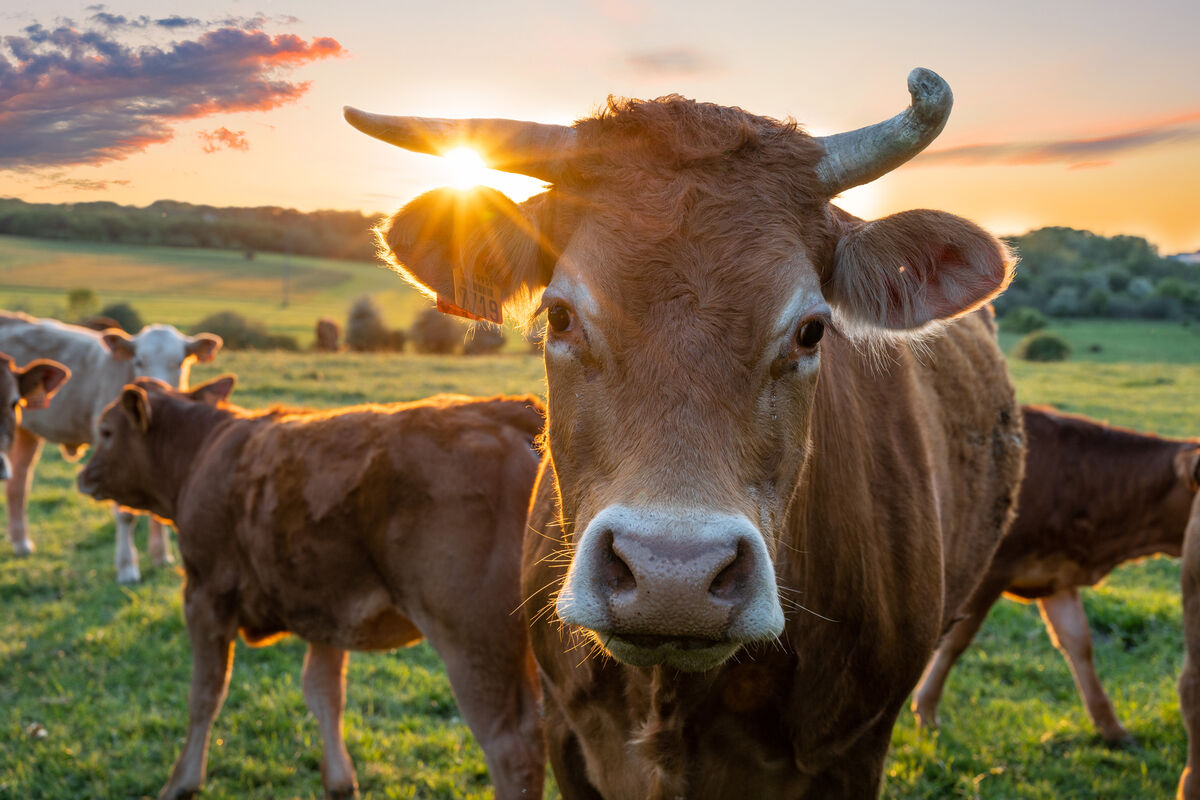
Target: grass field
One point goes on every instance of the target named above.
(103, 670)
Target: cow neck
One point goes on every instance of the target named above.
(186, 427)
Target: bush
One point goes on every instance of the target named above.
(1023, 320)
(328, 335)
(1043, 347)
(238, 332)
(435, 333)
(125, 315)
(81, 303)
(365, 331)
(483, 339)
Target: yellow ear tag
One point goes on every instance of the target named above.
(475, 297)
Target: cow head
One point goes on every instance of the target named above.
(134, 435)
(29, 387)
(691, 270)
(161, 352)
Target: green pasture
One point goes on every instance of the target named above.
(181, 286)
(93, 676)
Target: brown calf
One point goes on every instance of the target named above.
(1094, 496)
(357, 529)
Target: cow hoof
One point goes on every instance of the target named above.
(1120, 740)
(164, 561)
(128, 575)
(25, 548)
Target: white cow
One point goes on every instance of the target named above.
(100, 363)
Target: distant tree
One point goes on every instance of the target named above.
(126, 315)
(435, 333)
(1065, 302)
(483, 339)
(238, 332)
(1140, 287)
(365, 330)
(81, 303)
(1096, 303)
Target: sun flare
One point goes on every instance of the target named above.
(466, 168)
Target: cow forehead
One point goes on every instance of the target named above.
(741, 290)
(160, 341)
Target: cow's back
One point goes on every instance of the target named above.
(96, 378)
(343, 517)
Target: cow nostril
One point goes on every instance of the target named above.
(731, 581)
(615, 572)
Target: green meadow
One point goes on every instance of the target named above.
(94, 676)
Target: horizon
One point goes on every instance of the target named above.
(1069, 115)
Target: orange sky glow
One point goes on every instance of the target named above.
(1066, 113)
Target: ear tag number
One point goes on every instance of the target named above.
(475, 297)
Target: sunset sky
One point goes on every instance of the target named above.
(1084, 114)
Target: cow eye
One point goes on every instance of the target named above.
(16, 403)
(559, 318)
(105, 434)
(809, 334)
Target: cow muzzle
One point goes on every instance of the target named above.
(682, 588)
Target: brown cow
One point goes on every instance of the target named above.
(359, 529)
(30, 387)
(769, 484)
(1094, 496)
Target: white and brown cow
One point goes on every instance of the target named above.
(361, 528)
(101, 362)
(779, 442)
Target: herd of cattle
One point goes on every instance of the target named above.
(778, 443)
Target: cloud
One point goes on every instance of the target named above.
(82, 96)
(1087, 153)
(82, 184)
(223, 138)
(672, 61)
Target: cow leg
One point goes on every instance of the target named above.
(211, 630)
(160, 544)
(1189, 679)
(493, 677)
(324, 680)
(1068, 627)
(26, 448)
(126, 557)
(929, 691)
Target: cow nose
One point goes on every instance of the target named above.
(650, 575)
(657, 579)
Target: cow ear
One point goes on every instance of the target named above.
(215, 391)
(1187, 465)
(911, 268)
(481, 233)
(119, 343)
(204, 346)
(39, 380)
(136, 405)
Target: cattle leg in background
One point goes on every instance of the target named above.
(126, 556)
(324, 679)
(26, 450)
(1067, 625)
(929, 691)
(1189, 679)
(211, 632)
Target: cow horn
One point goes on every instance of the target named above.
(857, 157)
(526, 148)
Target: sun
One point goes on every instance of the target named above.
(466, 168)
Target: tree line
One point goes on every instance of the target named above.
(1064, 272)
(332, 234)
